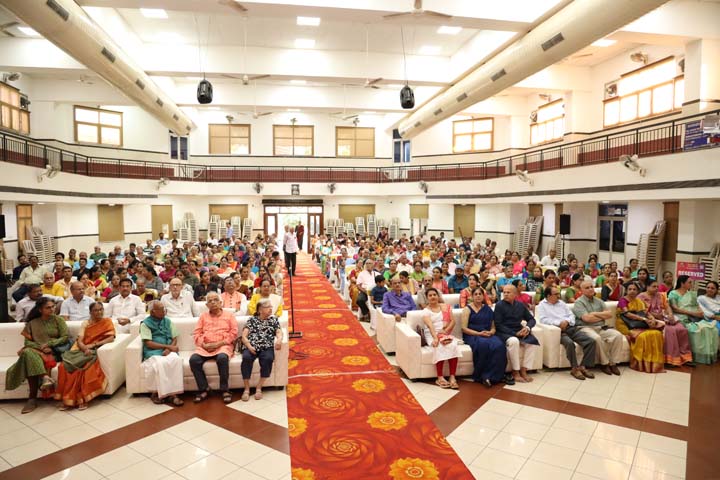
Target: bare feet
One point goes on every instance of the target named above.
(525, 376)
(518, 378)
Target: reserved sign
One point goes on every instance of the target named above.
(696, 271)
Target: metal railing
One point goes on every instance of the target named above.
(657, 139)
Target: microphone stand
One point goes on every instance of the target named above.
(294, 333)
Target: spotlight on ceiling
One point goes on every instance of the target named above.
(524, 177)
(631, 163)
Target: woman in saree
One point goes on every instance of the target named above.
(643, 331)
(703, 334)
(677, 343)
(353, 289)
(45, 335)
(710, 303)
(80, 377)
(613, 290)
(478, 327)
(466, 293)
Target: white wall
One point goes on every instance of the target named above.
(642, 216)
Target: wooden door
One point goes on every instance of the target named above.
(672, 217)
(161, 215)
(464, 221)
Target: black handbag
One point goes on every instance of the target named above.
(633, 324)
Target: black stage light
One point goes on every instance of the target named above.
(407, 97)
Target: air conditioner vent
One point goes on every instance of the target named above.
(175, 117)
(438, 111)
(498, 75)
(417, 124)
(55, 7)
(140, 84)
(462, 97)
(108, 54)
(552, 42)
(159, 102)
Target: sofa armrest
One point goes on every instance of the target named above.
(112, 360)
(408, 352)
(280, 365)
(551, 345)
(133, 360)
(385, 331)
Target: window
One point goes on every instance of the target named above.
(650, 90)
(178, 147)
(24, 221)
(355, 141)
(291, 140)
(550, 123)
(98, 126)
(229, 139)
(12, 116)
(473, 135)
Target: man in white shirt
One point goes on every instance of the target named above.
(23, 307)
(404, 265)
(291, 249)
(365, 283)
(553, 311)
(178, 303)
(30, 275)
(550, 260)
(77, 307)
(162, 241)
(126, 308)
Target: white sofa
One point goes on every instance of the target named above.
(554, 353)
(416, 361)
(385, 324)
(135, 378)
(111, 357)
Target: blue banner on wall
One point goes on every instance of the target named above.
(695, 137)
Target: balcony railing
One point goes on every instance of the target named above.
(657, 139)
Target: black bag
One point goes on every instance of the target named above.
(58, 350)
(633, 324)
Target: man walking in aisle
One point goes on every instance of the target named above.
(291, 248)
(300, 232)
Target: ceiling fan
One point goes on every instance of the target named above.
(418, 13)
(343, 115)
(245, 78)
(234, 5)
(255, 114)
(369, 82)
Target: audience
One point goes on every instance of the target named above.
(77, 307)
(163, 367)
(264, 293)
(397, 302)
(703, 334)
(642, 330)
(178, 302)
(126, 308)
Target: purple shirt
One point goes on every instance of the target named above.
(400, 304)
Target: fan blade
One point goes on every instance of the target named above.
(233, 4)
(350, 117)
(370, 83)
(397, 15)
(258, 77)
(436, 14)
(264, 113)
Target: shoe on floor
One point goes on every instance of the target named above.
(587, 374)
(614, 369)
(606, 369)
(577, 374)
(30, 405)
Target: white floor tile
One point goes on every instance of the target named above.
(534, 470)
(566, 439)
(49, 428)
(429, 403)
(273, 465)
(443, 394)
(516, 444)
(216, 439)
(148, 410)
(247, 407)
(4, 465)
(243, 452)
(180, 456)
(679, 417)
(483, 474)
(582, 476)
(611, 450)
(273, 412)
(590, 399)
(243, 474)
(662, 444)
(155, 443)
(74, 435)
(575, 424)
(96, 409)
(114, 421)
(209, 468)
(537, 415)
(190, 429)
(504, 463)
(30, 451)
(78, 472)
(643, 474)
(489, 419)
(474, 434)
(616, 434)
(659, 462)
(502, 407)
(534, 431)
(557, 393)
(115, 460)
(18, 437)
(467, 451)
(603, 467)
(147, 470)
(10, 425)
(558, 456)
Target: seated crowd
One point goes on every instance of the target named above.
(147, 287)
(503, 297)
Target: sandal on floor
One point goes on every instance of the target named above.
(245, 396)
(30, 405)
(177, 401)
(47, 384)
(258, 394)
(442, 384)
(156, 400)
(83, 406)
(227, 397)
(454, 386)
(200, 396)
(65, 408)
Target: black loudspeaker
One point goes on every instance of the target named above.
(407, 97)
(564, 224)
(2, 226)
(204, 91)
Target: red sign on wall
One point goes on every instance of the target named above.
(696, 271)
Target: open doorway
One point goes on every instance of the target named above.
(309, 216)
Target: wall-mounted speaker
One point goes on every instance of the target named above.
(564, 224)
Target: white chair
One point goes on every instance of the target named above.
(111, 357)
(553, 352)
(135, 381)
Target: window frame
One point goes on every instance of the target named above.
(548, 122)
(354, 140)
(473, 133)
(230, 137)
(98, 126)
(293, 127)
(648, 88)
(21, 112)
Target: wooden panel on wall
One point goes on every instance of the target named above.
(349, 212)
(672, 217)
(228, 211)
(535, 210)
(465, 221)
(419, 210)
(161, 215)
(111, 223)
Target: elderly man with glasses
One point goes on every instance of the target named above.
(397, 302)
(553, 311)
(214, 335)
(179, 303)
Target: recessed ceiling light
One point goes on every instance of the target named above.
(446, 30)
(308, 21)
(603, 42)
(304, 43)
(298, 82)
(429, 50)
(30, 32)
(153, 13)
(293, 109)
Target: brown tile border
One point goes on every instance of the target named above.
(703, 461)
(212, 411)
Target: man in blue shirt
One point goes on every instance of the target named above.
(397, 302)
(506, 279)
(457, 282)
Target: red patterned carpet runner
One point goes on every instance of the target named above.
(350, 415)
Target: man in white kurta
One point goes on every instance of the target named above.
(125, 308)
(162, 366)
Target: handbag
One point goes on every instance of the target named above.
(633, 324)
(58, 350)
